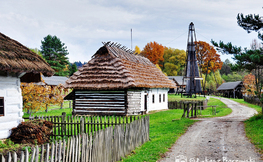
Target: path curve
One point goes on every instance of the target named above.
(220, 139)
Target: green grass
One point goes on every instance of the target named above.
(163, 134)
(254, 131)
(172, 97)
(57, 112)
(221, 109)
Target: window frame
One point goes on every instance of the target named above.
(2, 106)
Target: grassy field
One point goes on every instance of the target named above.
(52, 110)
(254, 131)
(172, 97)
(221, 109)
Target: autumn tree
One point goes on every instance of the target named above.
(174, 61)
(154, 52)
(249, 84)
(207, 59)
(55, 53)
(137, 50)
(36, 97)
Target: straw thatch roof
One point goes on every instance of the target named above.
(115, 68)
(16, 58)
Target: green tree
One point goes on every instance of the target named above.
(72, 69)
(251, 22)
(226, 67)
(55, 53)
(174, 61)
(37, 51)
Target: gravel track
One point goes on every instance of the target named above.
(220, 139)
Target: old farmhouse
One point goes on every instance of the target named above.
(117, 82)
(17, 64)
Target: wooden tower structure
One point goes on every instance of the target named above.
(192, 78)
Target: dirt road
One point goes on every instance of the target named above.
(219, 139)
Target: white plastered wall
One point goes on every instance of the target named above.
(10, 90)
(157, 105)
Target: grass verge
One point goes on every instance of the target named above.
(163, 134)
(254, 131)
(221, 109)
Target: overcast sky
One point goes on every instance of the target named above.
(83, 24)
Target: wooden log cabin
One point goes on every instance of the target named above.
(17, 64)
(117, 82)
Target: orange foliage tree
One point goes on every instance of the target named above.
(207, 58)
(36, 97)
(249, 82)
(154, 52)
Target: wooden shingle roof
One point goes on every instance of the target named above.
(229, 85)
(16, 58)
(113, 68)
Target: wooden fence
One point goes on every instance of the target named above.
(106, 145)
(181, 104)
(75, 125)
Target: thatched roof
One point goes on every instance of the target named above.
(16, 58)
(114, 68)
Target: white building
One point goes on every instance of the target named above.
(17, 64)
(117, 82)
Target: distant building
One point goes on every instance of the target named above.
(180, 85)
(53, 80)
(231, 89)
(117, 82)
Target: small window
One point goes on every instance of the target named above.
(160, 98)
(1, 106)
(153, 98)
(163, 97)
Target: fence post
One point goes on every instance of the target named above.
(46, 107)
(63, 123)
(81, 125)
(61, 105)
(70, 104)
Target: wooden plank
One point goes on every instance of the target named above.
(47, 153)
(14, 157)
(37, 154)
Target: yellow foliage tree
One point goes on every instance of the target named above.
(137, 50)
(36, 97)
(157, 65)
